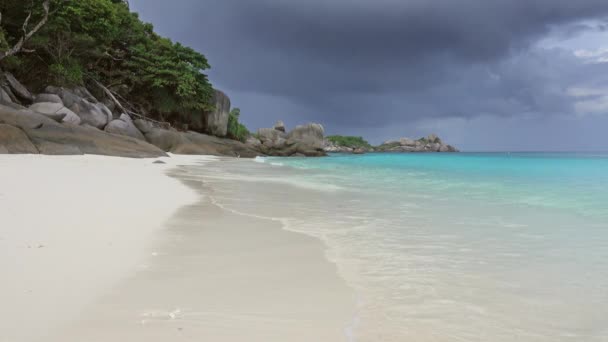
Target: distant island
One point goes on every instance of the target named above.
(358, 145)
(89, 77)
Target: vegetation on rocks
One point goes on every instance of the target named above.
(100, 42)
(237, 130)
(349, 141)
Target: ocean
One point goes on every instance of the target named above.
(447, 247)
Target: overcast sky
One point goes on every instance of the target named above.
(484, 75)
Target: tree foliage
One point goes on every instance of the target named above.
(101, 40)
(349, 141)
(236, 130)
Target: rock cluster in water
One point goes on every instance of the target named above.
(331, 147)
(305, 140)
(432, 143)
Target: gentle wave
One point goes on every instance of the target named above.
(444, 248)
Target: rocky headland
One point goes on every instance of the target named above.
(64, 121)
(61, 121)
(125, 90)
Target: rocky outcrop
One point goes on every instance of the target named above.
(216, 121)
(17, 88)
(193, 142)
(211, 145)
(52, 98)
(253, 142)
(54, 110)
(280, 126)
(271, 138)
(311, 134)
(50, 137)
(8, 99)
(5, 97)
(331, 147)
(124, 126)
(72, 121)
(13, 140)
(305, 140)
(432, 143)
(89, 110)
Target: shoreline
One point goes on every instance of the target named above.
(221, 276)
(201, 271)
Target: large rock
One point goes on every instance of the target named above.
(96, 115)
(306, 140)
(166, 140)
(433, 138)
(92, 113)
(24, 119)
(253, 142)
(7, 90)
(407, 142)
(5, 97)
(18, 89)
(221, 147)
(53, 98)
(270, 137)
(280, 126)
(216, 122)
(143, 125)
(124, 126)
(50, 137)
(194, 143)
(431, 143)
(13, 140)
(8, 99)
(311, 135)
(84, 93)
(52, 110)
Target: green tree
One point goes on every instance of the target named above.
(349, 141)
(236, 130)
(90, 41)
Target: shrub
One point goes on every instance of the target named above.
(236, 130)
(349, 141)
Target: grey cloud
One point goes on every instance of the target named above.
(365, 66)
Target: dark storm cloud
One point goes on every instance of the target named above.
(366, 63)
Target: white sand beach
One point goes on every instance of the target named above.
(71, 228)
(109, 249)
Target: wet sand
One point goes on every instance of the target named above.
(216, 275)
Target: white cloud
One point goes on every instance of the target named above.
(590, 101)
(593, 56)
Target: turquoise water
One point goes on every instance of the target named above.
(450, 247)
(572, 182)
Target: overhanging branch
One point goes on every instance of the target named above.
(27, 35)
